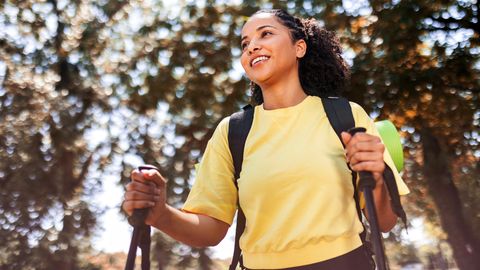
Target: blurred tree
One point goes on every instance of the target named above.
(49, 95)
(158, 76)
(416, 62)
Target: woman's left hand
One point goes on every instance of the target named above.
(364, 152)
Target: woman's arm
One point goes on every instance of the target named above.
(191, 229)
(148, 190)
(386, 217)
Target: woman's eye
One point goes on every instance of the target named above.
(266, 33)
(243, 45)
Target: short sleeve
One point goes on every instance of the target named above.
(214, 193)
(363, 120)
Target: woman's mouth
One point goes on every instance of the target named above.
(258, 60)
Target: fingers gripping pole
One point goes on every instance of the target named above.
(141, 233)
(366, 185)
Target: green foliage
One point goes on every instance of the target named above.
(155, 78)
(49, 96)
(416, 62)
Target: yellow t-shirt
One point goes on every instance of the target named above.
(295, 187)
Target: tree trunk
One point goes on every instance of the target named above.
(447, 200)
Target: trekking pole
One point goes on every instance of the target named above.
(141, 234)
(366, 185)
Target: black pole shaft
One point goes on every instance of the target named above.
(144, 245)
(375, 231)
(132, 251)
(366, 185)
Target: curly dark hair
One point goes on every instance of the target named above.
(322, 70)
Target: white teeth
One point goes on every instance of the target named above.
(258, 59)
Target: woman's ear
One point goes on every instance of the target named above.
(301, 47)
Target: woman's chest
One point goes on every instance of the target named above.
(277, 160)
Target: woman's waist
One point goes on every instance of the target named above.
(313, 251)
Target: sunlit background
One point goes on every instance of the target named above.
(92, 89)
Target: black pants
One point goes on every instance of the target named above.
(356, 259)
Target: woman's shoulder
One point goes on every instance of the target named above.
(222, 128)
(356, 107)
(358, 112)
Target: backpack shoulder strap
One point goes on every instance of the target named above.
(238, 129)
(339, 114)
(395, 201)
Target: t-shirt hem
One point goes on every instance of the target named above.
(308, 254)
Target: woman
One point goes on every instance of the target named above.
(295, 187)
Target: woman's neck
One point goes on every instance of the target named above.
(282, 95)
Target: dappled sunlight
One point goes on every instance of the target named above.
(90, 90)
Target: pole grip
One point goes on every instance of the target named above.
(366, 178)
(139, 215)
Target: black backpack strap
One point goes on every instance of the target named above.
(392, 188)
(238, 129)
(340, 116)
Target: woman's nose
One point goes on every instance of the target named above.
(252, 47)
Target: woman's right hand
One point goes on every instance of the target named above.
(146, 190)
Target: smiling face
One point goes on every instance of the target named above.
(268, 53)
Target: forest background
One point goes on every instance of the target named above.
(91, 89)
